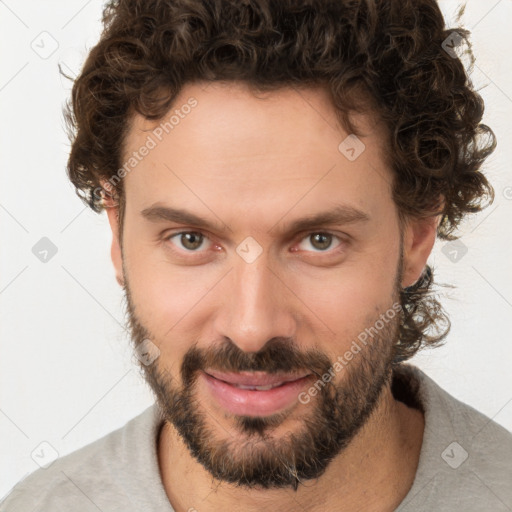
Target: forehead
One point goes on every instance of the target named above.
(262, 147)
(237, 119)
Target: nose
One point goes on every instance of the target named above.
(257, 306)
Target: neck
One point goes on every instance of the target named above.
(375, 471)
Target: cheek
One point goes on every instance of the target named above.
(167, 297)
(351, 297)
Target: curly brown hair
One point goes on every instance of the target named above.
(392, 50)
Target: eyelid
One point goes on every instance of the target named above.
(343, 239)
(167, 237)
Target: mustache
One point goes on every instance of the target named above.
(277, 356)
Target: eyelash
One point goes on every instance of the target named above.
(342, 241)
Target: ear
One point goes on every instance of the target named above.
(419, 238)
(112, 209)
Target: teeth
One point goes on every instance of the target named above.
(258, 388)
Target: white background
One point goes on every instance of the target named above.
(67, 375)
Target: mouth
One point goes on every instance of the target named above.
(255, 393)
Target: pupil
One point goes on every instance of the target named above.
(326, 243)
(192, 240)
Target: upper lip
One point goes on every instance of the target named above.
(255, 378)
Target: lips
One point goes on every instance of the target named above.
(254, 393)
(248, 380)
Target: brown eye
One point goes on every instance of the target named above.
(321, 241)
(189, 240)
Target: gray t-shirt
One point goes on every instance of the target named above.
(465, 463)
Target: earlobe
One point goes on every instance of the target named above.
(115, 251)
(117, 260)
(419, 238)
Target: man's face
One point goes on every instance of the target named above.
(250, 301)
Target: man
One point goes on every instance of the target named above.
(275, 175)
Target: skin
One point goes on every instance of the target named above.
(255, 165)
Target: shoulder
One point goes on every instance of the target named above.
(466, 457)
(87, 478)
(457, 418)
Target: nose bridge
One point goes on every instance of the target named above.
(257, 310)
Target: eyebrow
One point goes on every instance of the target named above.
(341, 214)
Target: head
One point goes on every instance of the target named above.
(275, 176)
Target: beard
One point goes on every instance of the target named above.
(255, 458)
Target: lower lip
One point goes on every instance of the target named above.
(252, 402)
